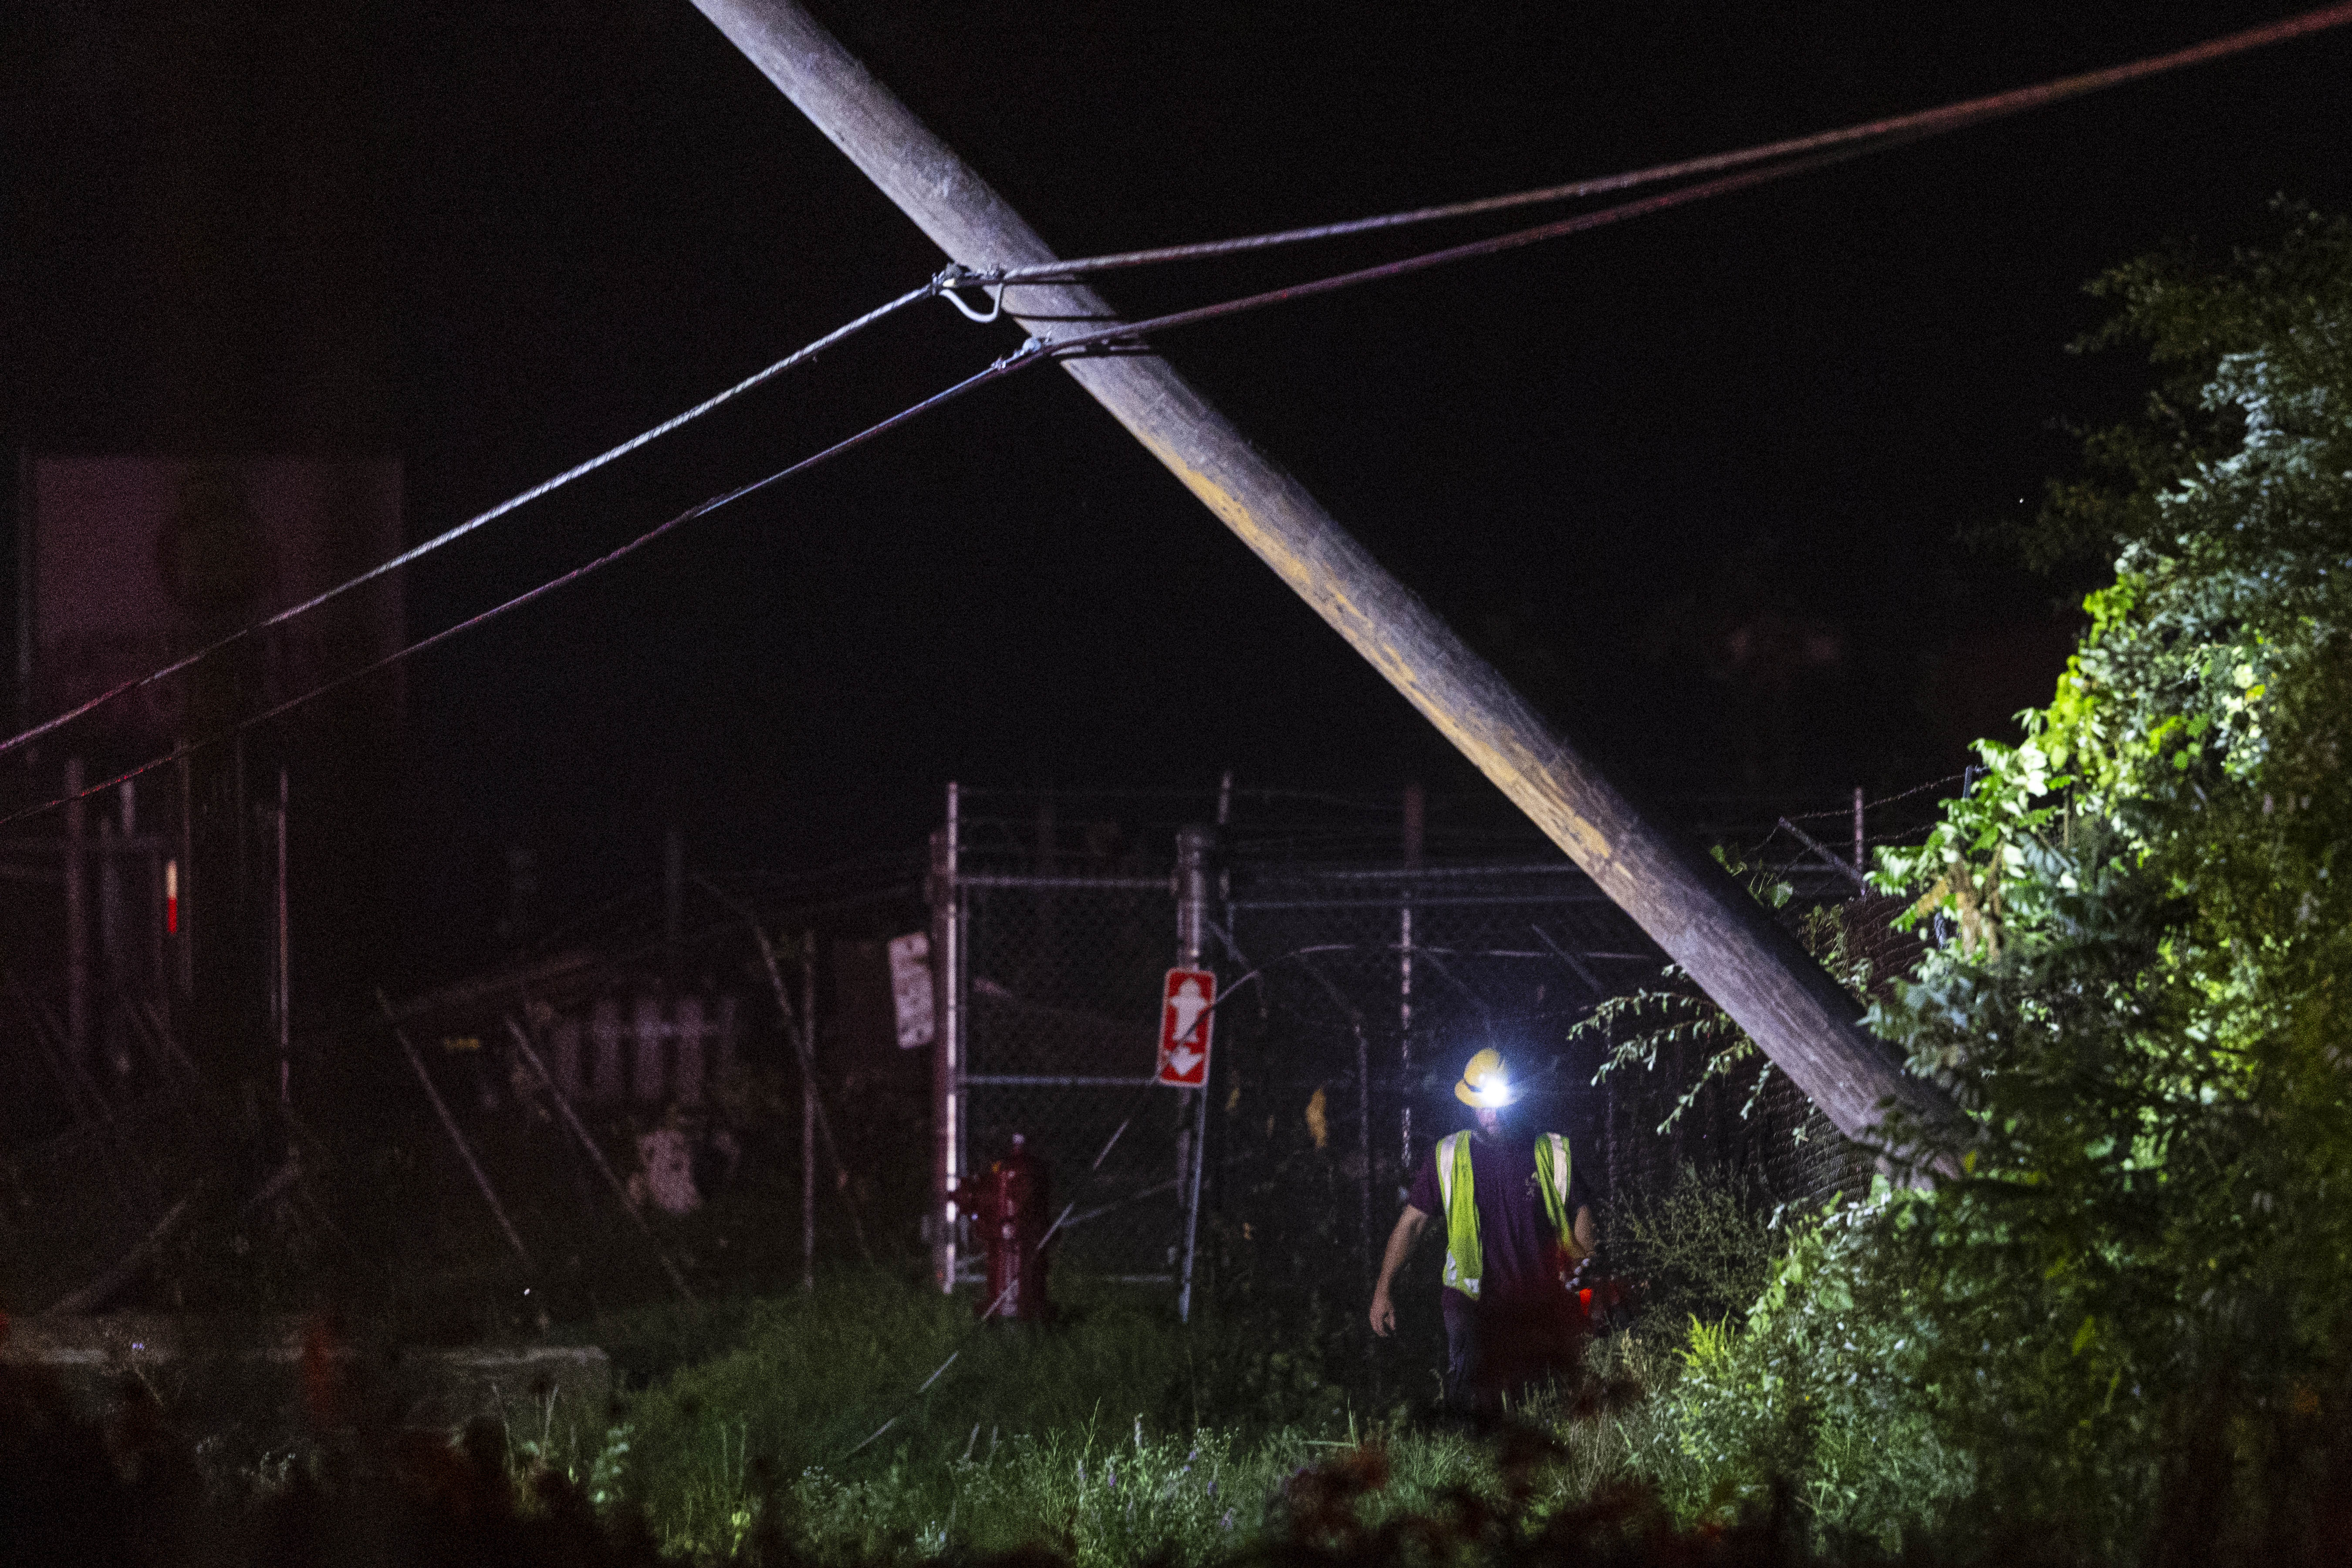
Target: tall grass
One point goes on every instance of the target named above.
(1110, 1437)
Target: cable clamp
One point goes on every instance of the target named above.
(955, 275)
(1030, 349)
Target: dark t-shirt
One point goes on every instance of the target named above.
(1517, 1243)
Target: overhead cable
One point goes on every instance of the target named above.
(703, 509)
(1035, 352)
(1848, 140)
(1835, 148)
(758, 378)
(1926, 122)
(1132, 335)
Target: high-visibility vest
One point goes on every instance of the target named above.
(1465, 1264)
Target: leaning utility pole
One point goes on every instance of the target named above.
(1755, 971)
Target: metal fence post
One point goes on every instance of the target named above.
(947, 1062)
(76, 923)
(282, 990)
(1193, 849)
(808, 1110)
(1364, 1151)
(1414, 821)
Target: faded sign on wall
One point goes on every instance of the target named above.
(131, 562)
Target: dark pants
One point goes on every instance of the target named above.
(1497, 1347)
(1463, 1345)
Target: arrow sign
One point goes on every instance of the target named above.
(1186, 1017)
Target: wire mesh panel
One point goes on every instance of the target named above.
(1351, 993)
(1356, 990)
(1062, 999)
(71, 1205)
(1375, 986)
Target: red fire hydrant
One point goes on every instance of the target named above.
(1010, 1203)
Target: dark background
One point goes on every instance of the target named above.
(495, 238)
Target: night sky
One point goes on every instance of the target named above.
(495, 238)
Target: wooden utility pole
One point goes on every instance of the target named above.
(808, 1110)
(1755, 971)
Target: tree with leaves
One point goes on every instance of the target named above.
(2125, 1332)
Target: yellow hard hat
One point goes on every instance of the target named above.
(1486, 1084)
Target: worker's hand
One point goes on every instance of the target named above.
(1383, 1314)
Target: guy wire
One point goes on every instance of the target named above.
(758, 378)
(1848, 140)
(1836, 147)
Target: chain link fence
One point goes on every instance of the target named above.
(1351, 992)
(1354, 978)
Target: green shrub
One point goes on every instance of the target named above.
(1813, 1388)
(2124, 1330)
(1701, 1251)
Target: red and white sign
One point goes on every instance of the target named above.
(1187, 1014)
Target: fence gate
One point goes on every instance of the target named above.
(1376, 983)
(1351, 991)
(1049, 1004)
(1355, 989)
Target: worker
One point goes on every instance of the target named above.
(1517, 1223)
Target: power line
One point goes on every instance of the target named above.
(1929, 122)
(1032, 352)
(758, 378)
(1804, 152)
(1131, 335)
(1837, 147)
(1845, 811)
(703, 509)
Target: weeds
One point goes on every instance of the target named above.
(1081, 1440)
(1703, 1249)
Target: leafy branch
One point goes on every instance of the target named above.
(1676, 1017)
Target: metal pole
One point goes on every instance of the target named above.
(159, 968)
(673, 888)
(27, 574)
(1193, 849)
(808, 1110)
(586, 1140)
(149, 965)
(1861, 854)
(947, 1061)
(1364, 1150)
(184, 954)
(450, 1125)
(1415, 807)
(244, 877)
(113, 981)
(118, 968)
(1609, 1143)
(76, 923)
(285, 987)
(1703, 919)
(1192, 1196)
(804, 1046)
